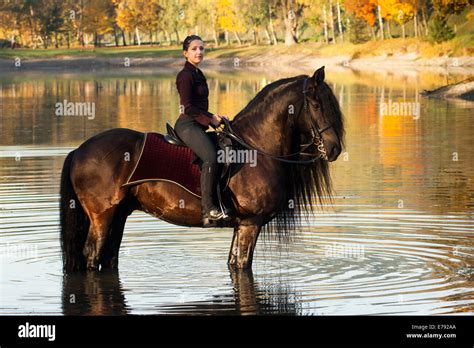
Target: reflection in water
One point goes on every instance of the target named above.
(101, 293)
(398, 239)
(93, 293)
(248, 298)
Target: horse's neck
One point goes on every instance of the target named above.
(269, 131)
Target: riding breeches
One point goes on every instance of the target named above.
(194, 136)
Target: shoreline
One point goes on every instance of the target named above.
(296, 61)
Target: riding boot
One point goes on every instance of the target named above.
(208, 183)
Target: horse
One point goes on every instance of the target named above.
(296, 126)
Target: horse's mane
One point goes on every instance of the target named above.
(255, 105)
(306, 185)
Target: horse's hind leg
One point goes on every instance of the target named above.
(110, 251)
(97, 237)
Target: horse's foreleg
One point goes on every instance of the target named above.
(243, 245)
(97, 236)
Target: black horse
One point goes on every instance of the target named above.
(296, 125)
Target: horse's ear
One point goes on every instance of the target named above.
(318, 76)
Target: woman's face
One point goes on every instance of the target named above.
(195, 52)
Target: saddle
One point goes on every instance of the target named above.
(220, 140)
(167, 158)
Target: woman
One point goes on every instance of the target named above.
(194, 120)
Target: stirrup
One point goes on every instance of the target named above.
(212, 217)
(213, 214)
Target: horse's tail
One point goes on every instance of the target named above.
(74, 222)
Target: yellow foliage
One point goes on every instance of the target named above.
(400, 11)
(229, 17)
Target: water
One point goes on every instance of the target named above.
(398, 239)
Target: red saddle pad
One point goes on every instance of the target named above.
(162, 161)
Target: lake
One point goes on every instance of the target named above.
(399, 238)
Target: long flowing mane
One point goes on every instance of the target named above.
(305, 185)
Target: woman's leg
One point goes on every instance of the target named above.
(196, 138)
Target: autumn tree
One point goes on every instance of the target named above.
(97, 18)
(439, 30)
(11, 16)
(229, 19)
(364, 9)
(290, 14)
(255, 13)
(150, 12)
(444, 8)
(399, 11)
(128, 17)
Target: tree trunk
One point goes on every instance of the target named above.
(56, 45)
(196, 30)
(389, 30)
(167, 37)
(33, 28)
(255, 36)
(124, 41)
(237, 37)
(214, 35)
(339, 21)
(379, 15)
(115, 37)
(81, 30)
(267, 35)
(177, 36)
(68, 40)
(348, 26)
(403, 30)
(415, 23)
(331, 20)
(372, 31)
(326, 38)
(290, 38)
(423, 17)
(272, 28)
(226, 38)
(137, 34)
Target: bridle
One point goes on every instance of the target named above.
(316, 132)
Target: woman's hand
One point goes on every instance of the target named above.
(216, 120)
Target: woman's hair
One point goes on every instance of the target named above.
(188, 40)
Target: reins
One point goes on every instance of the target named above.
(316, 132)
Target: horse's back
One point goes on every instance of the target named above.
(107, 157)
(117, 134)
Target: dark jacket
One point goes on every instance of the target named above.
(193, 92)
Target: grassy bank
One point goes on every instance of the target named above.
(459, 46)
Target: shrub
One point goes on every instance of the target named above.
(439, 30)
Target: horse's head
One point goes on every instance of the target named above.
(320, 122)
